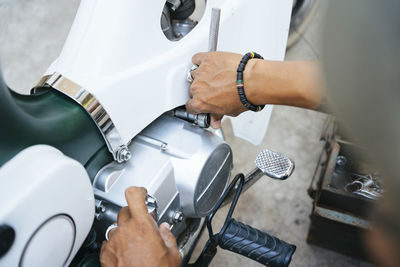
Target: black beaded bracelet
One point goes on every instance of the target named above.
(239, 82)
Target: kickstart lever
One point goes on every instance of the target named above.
(243, 239)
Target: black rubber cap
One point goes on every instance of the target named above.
(7, 237)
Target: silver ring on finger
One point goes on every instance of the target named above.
(111, 227)
(189, 76)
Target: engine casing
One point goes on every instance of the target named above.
(185, 168)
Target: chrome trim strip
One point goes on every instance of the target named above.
(113, 139)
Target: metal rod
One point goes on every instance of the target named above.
(250, 179)
(214, 29)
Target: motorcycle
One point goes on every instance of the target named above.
(108, 114)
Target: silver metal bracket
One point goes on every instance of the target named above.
(113, 139)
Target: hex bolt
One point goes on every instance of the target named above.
(98, 216)
(178, 217)
(123, 154)
(164, 147)
(341, 160)
(151, 204)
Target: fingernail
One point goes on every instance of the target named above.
(166, 225)
(216, 124)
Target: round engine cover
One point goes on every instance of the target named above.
(202, 162)
(212, 180)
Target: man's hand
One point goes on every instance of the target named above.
(137, 241)
(214, 86)
(214, 91)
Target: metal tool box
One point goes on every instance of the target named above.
(339, 219)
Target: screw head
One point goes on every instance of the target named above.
(164, 147)
(178, 217)
(151, 204)
(341, 160)
(123, 154)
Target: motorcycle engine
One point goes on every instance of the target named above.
(184, 168)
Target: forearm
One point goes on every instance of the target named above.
(294, 83)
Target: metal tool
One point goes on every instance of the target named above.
(361, 189)
(214, 29)
(365, 185)
(212, 38)
(202, 120)
(212, 46)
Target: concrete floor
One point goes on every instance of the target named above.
(32, 34)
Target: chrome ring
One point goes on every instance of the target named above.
(112, 226)
(189, 76)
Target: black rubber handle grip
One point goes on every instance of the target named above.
(256, 245)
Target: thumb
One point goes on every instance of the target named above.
(167, 236)
(216, 121)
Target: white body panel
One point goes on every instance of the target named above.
(118, 52)
(49, 204)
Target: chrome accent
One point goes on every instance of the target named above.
(100, 209)
(153, 142)
(123, 154)
(113, 139)
(274, 164)
(177, 217)
(202, 120)
(111, 227)
(151, 204)
(189, 76)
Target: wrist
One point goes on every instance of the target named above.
(282, 83)
(251, 82)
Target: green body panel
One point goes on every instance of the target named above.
(49, 117)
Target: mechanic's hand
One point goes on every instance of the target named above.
(137, 241)
(214, 86)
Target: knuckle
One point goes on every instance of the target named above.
(143, 190)
(123, 230)
(135, 190)
(143, 224)
(123, 210)
(203, 99)
(197, 103)
(130, 190)
(204, 68)
(195, 85)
